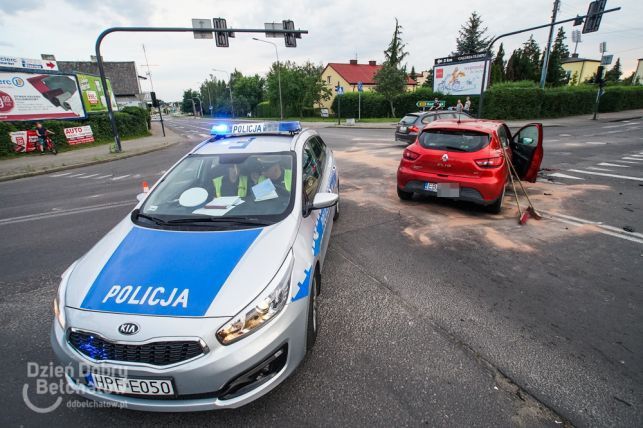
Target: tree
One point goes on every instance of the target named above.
(188, 98)
(556, 75)
(390, 81)
(413, 75)
(632, 79)
(428, 83)
(471, 37)
(395, 53)
(248, 92)
(498, 66)
(301, 86)
(614, 75)
(574, 80)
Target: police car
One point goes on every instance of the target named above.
(205, 296)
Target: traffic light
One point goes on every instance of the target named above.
(289, 38)
(599, 75)
(155, 102)
(220, 38)
(594, 16)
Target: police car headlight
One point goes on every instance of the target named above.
(59, 300)
(261, 310)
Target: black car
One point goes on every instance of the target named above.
(411, 124)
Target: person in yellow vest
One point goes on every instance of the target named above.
(232, 184)
(280, 177)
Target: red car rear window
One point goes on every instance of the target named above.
(453, 140)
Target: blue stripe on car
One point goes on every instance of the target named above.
(157, 272)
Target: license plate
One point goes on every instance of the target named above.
(122, 385)
(431, 187)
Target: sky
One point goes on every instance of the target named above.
(339, 30)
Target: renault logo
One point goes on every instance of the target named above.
(128, 328)
(445, 158)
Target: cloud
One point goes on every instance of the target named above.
(12, 7)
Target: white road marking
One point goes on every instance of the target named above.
(76, 175)
(204, 135)
(616, 126)
(59, 213)
(630, 158)
(613, 164)
(121, 177)
(552, 141)
(90, 175)
(102, 176)
(637, 156)
(599, 169)
(625, 177)
(630, 162)
(574, 144)
(564, 135)
(60, 175)
(596, 143)
(603, 228)
(559, 175)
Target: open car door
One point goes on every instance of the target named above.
(527, 151)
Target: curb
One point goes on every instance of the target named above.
(83, 164)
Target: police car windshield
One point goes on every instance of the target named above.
(223, 189)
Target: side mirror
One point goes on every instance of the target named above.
(325, 200)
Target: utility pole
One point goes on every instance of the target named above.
(149, 74)
(543, 73)
(599, 79)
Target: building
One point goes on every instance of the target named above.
(348, 76)
(122, 75)
(423, 76)
(580, 69)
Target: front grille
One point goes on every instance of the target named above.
(155, 353)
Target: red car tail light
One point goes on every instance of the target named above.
(414, 129)
(489, 162)
(409, 155)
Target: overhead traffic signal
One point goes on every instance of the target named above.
(594, 16)
(220, 38)
(290, 38)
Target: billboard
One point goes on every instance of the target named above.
(93, 95)
(460, 78)
(33, 96)
(79, 135)
(27, 63)
(24, 141)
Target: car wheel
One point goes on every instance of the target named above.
(313, 319)
(405, 196)
(496, 207)
(336, 215)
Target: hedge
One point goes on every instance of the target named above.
(515, 100)
(131, 122)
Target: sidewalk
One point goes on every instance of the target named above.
(19, 167)
(563, 121)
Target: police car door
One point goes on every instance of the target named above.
(328, 183)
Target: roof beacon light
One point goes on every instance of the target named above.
(249, 128)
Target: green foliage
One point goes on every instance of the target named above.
(390, 81)
(614, 75)
(301, 87)
(556, 75)
(471, 37)
(188, 98)
(248, 92)
(498, 66)
(131, 122)
(428, 83)
(395, 54)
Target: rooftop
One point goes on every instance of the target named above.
(566, 60)
(365, 73)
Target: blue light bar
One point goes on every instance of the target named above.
(250, 128)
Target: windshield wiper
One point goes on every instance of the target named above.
(137, 214)
(236, 220)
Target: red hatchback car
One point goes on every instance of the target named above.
(463, 160)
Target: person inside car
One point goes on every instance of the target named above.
(231, 184)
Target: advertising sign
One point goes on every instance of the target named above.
(93, 95)
(32, 96)
(24, 141)
(27, 63)
(459, 78)
(79, 134)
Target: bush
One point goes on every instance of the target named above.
(131, 122)
(265, 109)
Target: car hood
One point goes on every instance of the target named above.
(141, 271)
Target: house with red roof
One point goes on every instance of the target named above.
(348, 76)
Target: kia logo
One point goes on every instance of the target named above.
(128, 328)
(445, 157)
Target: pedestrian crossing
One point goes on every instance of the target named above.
(628, 167)
(97, 176)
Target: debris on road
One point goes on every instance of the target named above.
(628, 229)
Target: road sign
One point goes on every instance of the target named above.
(220, 38)
(422, 104)
(602, 48)
(360, 86)
(594, 16)
(202, 23)
(606, 59)
(576, 37)
(339, 90)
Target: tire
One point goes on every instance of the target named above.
(312, 326)
(405, 196)
(496, 206)
(336, 215)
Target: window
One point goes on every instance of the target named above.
(408, 119)
(504, 137)
(319, 149)
(328, 78)
(310, 172)
(453, 140)
(428, 118)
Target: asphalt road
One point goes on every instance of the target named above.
(433, 312)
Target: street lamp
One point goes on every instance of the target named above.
(281, 105)
(230, 84)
